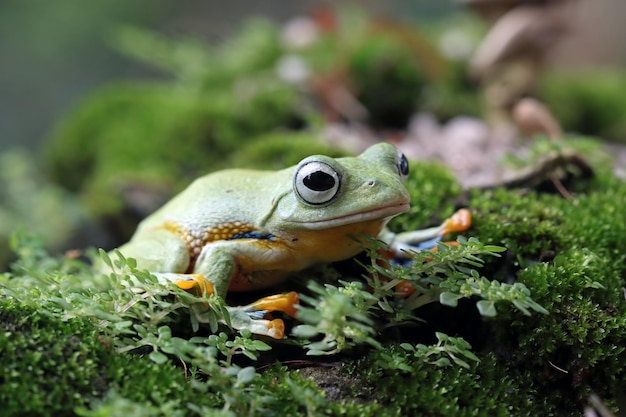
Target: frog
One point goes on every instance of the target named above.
(244, 230)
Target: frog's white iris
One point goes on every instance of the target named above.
(316, 183)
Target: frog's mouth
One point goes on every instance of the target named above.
(379, 213)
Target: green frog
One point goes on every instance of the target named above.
(243, 230)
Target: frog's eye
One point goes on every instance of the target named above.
(403, 166)
(316, 183)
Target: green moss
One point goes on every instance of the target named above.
(486, 389)
(45, 363)
(358, 387)
(579, 346)
(53, 367)
(530, 365)
(526, 224)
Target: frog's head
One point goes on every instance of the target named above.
(328, 193)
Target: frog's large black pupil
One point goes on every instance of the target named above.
(404, 166)
(319, 181)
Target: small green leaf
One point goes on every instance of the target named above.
(246, 375)
(131, 262)
(197, 339)
(521, 307)
(250, 354)
(165, 332)
(442, 337)
(461, 362)
(442, 362)
(157, 357)
(449, 299)
(305, 331)
(323, 346)
(105, 258)
(141, 330)
(261, 345)
(408, 347)
(316, 352)
(123, 324)
(486, 308)
(493, 248)
(470, 355)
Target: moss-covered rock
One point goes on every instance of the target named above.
(55, 367)
(571, 256)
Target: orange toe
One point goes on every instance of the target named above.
(196, 281)
(460, 221)
(276, 328)
(279, 302)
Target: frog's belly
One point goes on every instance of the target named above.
(271, 262)
(336, 244)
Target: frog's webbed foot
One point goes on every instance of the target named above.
(251, 316)
(243, 317)
(240, 319)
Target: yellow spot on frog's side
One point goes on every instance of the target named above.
(196, 239)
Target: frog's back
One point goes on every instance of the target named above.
(233, 200)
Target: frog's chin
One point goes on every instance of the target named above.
(381, 213)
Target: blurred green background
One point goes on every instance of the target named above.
(53, 52)
(64, 81)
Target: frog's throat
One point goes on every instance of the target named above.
(379, 213)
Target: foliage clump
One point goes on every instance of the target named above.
(28, 200)
(595, 104)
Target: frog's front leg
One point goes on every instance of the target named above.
(243, 264)
(166, 256)
(426, 238)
